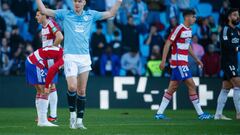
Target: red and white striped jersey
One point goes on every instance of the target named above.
(181, 39)
(48, 33)
(40, 56)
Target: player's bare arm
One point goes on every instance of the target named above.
(112, 12)
(58, 39)
(44, 10)
(199, 62)
(165, 53)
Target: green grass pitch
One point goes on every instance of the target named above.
(118, 122)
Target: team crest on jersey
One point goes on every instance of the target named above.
(85, 18)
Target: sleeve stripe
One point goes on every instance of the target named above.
(173, 36)
(225, 35)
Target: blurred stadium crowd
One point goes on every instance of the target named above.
(129, 44)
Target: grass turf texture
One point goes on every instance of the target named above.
(118, 122)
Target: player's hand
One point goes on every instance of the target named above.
(162, 65)
(200, 64)
(46, 91)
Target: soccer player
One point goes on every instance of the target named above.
(230, 46)
(35, 75)
(51, 36)
(77, 25)
(179, 40)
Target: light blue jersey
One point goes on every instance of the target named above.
(77, 29)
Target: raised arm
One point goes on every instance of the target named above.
(112, 12)
(44, 10)
(165, 53)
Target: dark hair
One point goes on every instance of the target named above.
(231, 10)
(188, 12)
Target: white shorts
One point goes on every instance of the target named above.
(76, 64)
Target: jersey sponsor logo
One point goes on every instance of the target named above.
(79, 28)
(186, 34)
(45, 31)
(235, 40)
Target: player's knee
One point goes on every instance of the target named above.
(172, 89)
(192, 88)
(72, 87)
(81, 92)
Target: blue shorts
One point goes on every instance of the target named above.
(33, 75)
(180, 73)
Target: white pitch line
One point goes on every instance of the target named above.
(2, 127)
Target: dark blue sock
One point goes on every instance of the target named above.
(71, 96)
(81, 101)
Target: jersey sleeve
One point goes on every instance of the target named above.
(174, 34)
(52, 71)
(54, 26)
(96, 15)
(60, 14)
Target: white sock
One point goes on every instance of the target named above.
(42, 107)
(36, 104)
(165, 101)
(236, 99)
(79, 120)
(196, 104)
(222, 98)
(53, 100)
(73, 115)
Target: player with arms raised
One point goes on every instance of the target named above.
(77, 25)
(179, 40)
(51, 36)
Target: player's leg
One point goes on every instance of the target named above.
(194, 98)
(34, 77)
(222, 98)
(71, 97)
(71, 71)
(173, 85)
(42, 108)
(236, 95)
(81, 98)
(53, 100)
(53, 97)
